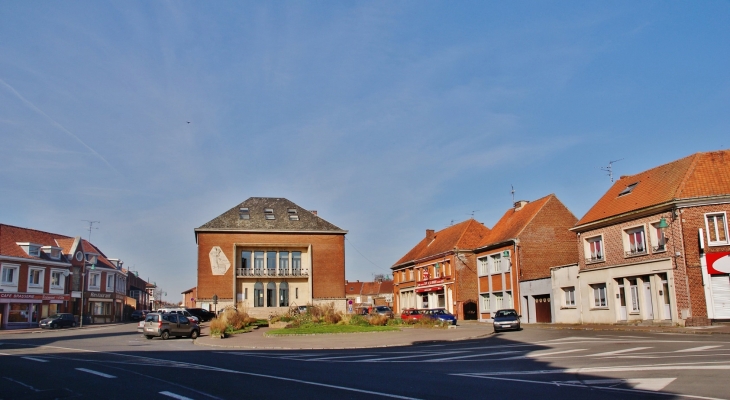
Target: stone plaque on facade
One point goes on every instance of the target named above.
(219, 263)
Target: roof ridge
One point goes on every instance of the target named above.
(463, 231)
(687, 174)
(37, 230)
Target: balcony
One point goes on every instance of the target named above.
(659, 248)
(639, 251)
(595, 259)
(252, 272)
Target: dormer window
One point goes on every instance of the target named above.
(293, 216)
(269, 213)
(628, 189)
(32, 249)
(53, 253)
(243, 213)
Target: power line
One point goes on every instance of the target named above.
(358, 251)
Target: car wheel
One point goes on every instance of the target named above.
(53, 326)
(165, 335)
(194, 334)
(73, 324)
(149, 337)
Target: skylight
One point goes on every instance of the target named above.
(243, 213)
(269, 213)
(628, 189)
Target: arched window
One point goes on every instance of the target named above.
(284, 294)
(271, 294)
(258, 294)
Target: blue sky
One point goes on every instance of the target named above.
(388, 118)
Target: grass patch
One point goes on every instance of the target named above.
(322, 329)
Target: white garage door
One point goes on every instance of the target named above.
(721, 295)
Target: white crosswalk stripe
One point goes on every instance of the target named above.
(611, 353)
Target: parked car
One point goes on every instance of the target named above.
(140, 326)
(441, 315)
(202, 314)
(382, 310)
(172, 324)
(58, 321)
(506, 319)
(139, 315)
(179, 311)
(411, 314)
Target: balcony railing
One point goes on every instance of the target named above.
(657, 249)
(594, 259)
(636, 252)
(244, 272)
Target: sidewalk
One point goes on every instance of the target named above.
(706, 330)
(404, 337)
(41, 330)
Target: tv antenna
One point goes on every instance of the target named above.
(472, 213)
(609, 168)
(513, 193)
(91, 226)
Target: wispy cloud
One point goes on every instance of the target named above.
(57, 125)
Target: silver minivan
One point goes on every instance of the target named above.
(166, 325)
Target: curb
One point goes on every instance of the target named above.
(622, 329)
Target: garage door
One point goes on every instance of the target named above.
(721, 295)
(542, 309)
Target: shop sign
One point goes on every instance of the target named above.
(432, 282)
(95, 295)
(28, 296)
(430, 289)
(718, 263)
(76, 294)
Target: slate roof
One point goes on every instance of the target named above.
(697, 176)
(231, 220)
(514, 222)
(10, 236)
(464, 235)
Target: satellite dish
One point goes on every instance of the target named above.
(66, 272)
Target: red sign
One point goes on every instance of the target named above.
(432, 282)
(430, 289)
(29, 296)
(718, 263)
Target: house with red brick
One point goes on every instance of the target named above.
(43, 273)
(189, 297)
(268, 254)
(365, 294)
(514, 260)
(654, 248)
(440, 271)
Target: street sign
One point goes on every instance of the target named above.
(215, 299)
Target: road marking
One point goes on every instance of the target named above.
(23, 384)
(653, 384)
(611, 353)
(701, 348)
(591, 387)
(333, 358)
(175, 396)
(412, 356)
(586, 370)
(472, 356)
(91, 371)
(4, 354)
(35, 359)
(543, 354)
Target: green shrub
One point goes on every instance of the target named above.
(359, 320)
(235, 319)
(217, 326)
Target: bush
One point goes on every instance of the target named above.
(395, 322)
(359, 320)
(378, 320)
(235, 319)
(217, 326)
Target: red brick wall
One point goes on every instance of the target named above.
(546, 241)
(328, 261)
(465, 268)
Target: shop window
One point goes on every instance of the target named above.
(716, 225)
(569, 296)
(97, 308)
(599, 295)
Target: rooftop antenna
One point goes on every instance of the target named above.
(472, 213)
(91, 226)
(513, 193)
(452, 222)
(609, 168)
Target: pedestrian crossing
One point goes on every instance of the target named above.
(564, 348)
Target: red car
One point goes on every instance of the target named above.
(411, 314)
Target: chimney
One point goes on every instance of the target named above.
(430, 234)
(313, 212)
(519, 204)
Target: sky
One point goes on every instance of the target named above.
(388, 118)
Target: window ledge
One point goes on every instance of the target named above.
(599, 308)
(568, 307)
(590, 262)
(8, 284)
(633, 255)
(635, 313)
(718, 243)
(659, 251)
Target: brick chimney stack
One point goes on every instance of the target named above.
(430, 234)
(313, 212)
(519, 204)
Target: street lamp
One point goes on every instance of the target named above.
(83, 283)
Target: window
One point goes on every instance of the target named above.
(296, 293)
(271, 262)
(634, 295)
(243, 213)
(269, 213)
(657, 238)
(109, 283)
(628, 189)
(34, 251)
(569, 295)
(634, 241)
(283, 263)
(498, 300)
(258, 261)
(246, 259)
(271, 294)
(283, 294)
(599, 295)
(296, 262)
(94, 281)
(716, 225)
(56, 279)
(9, 275)
(245, 293)
(483, 266)
(293, 216)
(35, 277)
(258, 294)
(594, 249)
(496, 261)
(485, 303)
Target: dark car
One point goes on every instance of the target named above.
(58, 321)
(506, 319)
(202, 314)
(441, 315)
(139, 315)
(166, 325)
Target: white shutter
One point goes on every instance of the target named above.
(721, 295)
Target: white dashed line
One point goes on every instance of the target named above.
(611, 353)
(35, 359)
(701, 348)
(175, 396)
(91, 371)
(544, 354)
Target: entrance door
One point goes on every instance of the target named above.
(622, 304)
(647, 297)
(470, 311)
(665, 297)
(721, 295)
(542, 309)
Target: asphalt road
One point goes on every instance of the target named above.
(118, 363)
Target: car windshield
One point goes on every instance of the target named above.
(506, 313)
(382, 308)
(55, 316)
(152, 318)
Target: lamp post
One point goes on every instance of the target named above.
(83, 284)
(663, 225)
